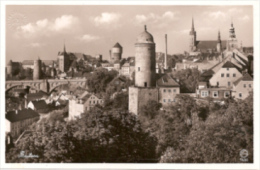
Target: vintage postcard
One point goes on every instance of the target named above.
(132, 84)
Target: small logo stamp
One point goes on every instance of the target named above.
(243, 155)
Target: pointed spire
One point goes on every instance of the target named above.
(145, 28)
(64, 49)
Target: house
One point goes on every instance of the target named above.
(40, 106)
(215, 93)
(226, 75)
(168, 89)
(17, 121)
(77, 106)
(243, 86)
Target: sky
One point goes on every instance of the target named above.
(42, 30)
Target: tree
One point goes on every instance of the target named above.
(219, 138)
(188, 80)
(99, 79)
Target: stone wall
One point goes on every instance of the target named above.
(138, 97)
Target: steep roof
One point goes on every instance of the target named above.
(246, 77)
(167, 81)
(204, 45)
(23, 114)
(117, 45)
(228, 64)
(41, 104)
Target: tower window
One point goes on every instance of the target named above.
(145, 84)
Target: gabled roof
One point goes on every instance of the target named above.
(246, 77)
(228, 64)
(23, 114)
(167, 81)
(40, 104)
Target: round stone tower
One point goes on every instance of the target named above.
(117, 51)
(37, 69)
(145, 60)
(10, 68)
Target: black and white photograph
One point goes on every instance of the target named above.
(129, 83)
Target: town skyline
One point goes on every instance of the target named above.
(95, 30)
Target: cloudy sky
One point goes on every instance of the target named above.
(33, 31)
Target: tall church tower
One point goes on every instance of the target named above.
(64, 60)
(232, 41)
(219, 45)
(192, 37)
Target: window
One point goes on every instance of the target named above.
(138, 68)
(222, 74)
(234, 75)
(227, 68)
(249, 85)
(244, 85)
(145, 84)
(174, 90)
(164, 90)
(204, 94)
(215, 94)
(93, 101)
(240, 95)
(227, 74)
(169, 100)
(173, 100)
(90, 102)
(226, 94)
(228, 83)
(217, 83)
(169, 90)
(164, 100)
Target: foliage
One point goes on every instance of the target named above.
(97, 137)
(188, 80)
(219, 138)
(97, 82)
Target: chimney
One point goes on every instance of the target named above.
(165, 59)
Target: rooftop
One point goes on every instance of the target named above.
(19, 115)
(167, 81)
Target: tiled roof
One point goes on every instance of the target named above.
(41, 104)
(228, 64)
(246, 77)
(23, 114)
(167, 81)
(204, 45)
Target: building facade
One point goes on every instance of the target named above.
(243, 87)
